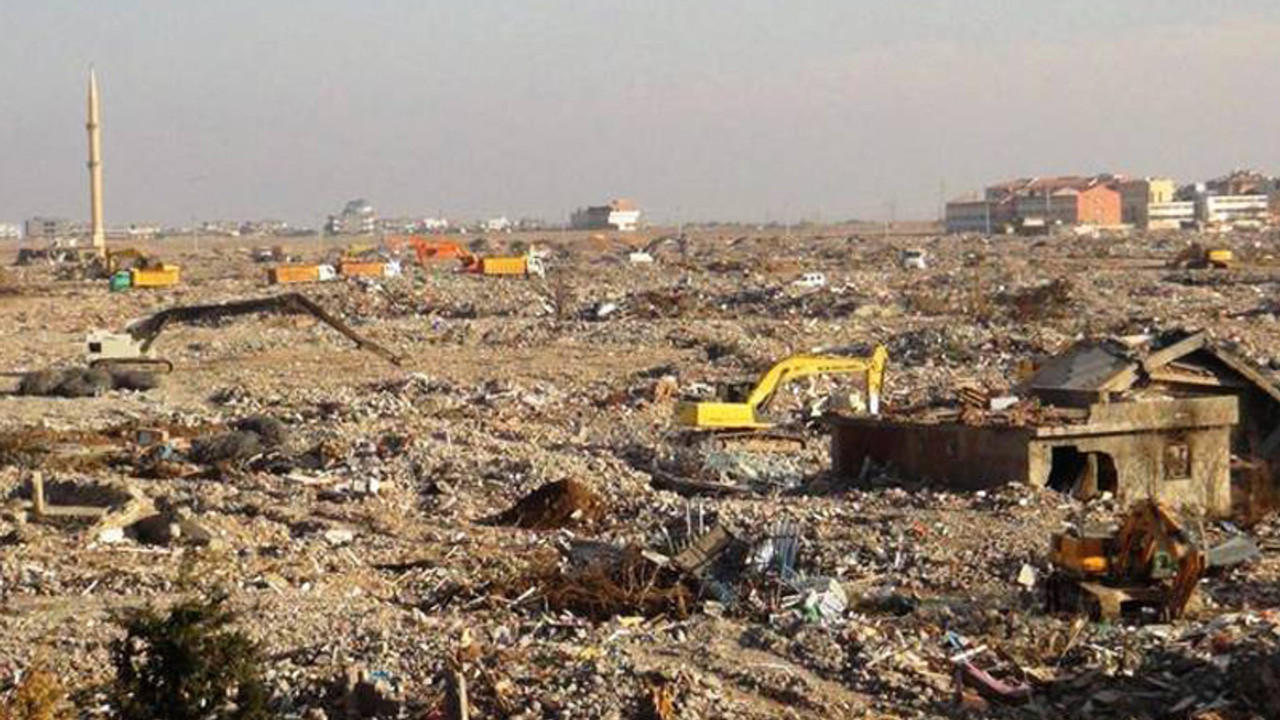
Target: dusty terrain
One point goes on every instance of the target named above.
(510, 384)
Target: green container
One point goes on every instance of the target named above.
(121, 281)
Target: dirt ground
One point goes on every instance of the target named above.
(509, 384)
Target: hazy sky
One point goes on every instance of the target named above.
(702, 109)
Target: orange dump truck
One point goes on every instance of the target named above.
(362, 269)
(285, 274)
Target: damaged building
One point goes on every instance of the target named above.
(1177, 418)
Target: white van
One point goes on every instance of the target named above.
(811, 280)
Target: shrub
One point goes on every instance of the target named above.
(186, 665)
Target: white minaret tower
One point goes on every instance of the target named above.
(95, 168)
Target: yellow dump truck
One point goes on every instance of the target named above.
(156, 276)
(504, 265)
(530, 263)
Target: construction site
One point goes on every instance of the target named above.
(1020, 460)
(723, 474)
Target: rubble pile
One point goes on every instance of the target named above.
(512, 522)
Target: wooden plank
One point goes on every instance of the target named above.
(1164, 356)
(1181, 378)
(1246, 369)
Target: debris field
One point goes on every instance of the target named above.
(513, 510)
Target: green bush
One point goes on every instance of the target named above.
(186, 665)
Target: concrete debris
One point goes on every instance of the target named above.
(85, 382)
(226, 447)
(520, 479)
(1026, 576)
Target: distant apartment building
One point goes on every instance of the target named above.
(1240, 182)
(45, 228)
(264, 228)
(10, 231)
(1172, 215)
(621, 215)
(1234, 211)
(1037, 204)
(356, 218)
(970, 216)
(1139, 195)
(497, 224)
(135, 231)
(224, 228)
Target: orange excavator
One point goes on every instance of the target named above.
(429, 250)
(1149, 566)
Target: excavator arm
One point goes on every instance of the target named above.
(801, 366)
(145, 331)
(746, 416)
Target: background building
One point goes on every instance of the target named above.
(621, 215)
(1224, 212)
(1137, 196)
(1241, 182)
(1039, 203)
(10, 231)
(44, 228)
(356, 218)
(969, 216)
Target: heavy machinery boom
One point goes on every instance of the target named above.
(143, 333)
(746, 415)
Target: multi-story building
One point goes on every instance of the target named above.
(10, 231)
(1172, 215)
(970, 216)
(1138, 195)
(1240, 182)
(621, 215)
(1068, 200)
(1040, 203)
(264, 227)
(1233, 211)
(44, 228)
(356, 218)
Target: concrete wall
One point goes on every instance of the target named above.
(959, 456)
(1141, 441)
(1140, 459)
(1099, 205)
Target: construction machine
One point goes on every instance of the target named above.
(427, 250)
(133, 346)
(143, 270)
(1197, 257)
(1148, 567)
(746, 415)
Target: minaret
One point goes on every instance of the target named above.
(95, 168)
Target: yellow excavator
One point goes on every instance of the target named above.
(746, 415)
